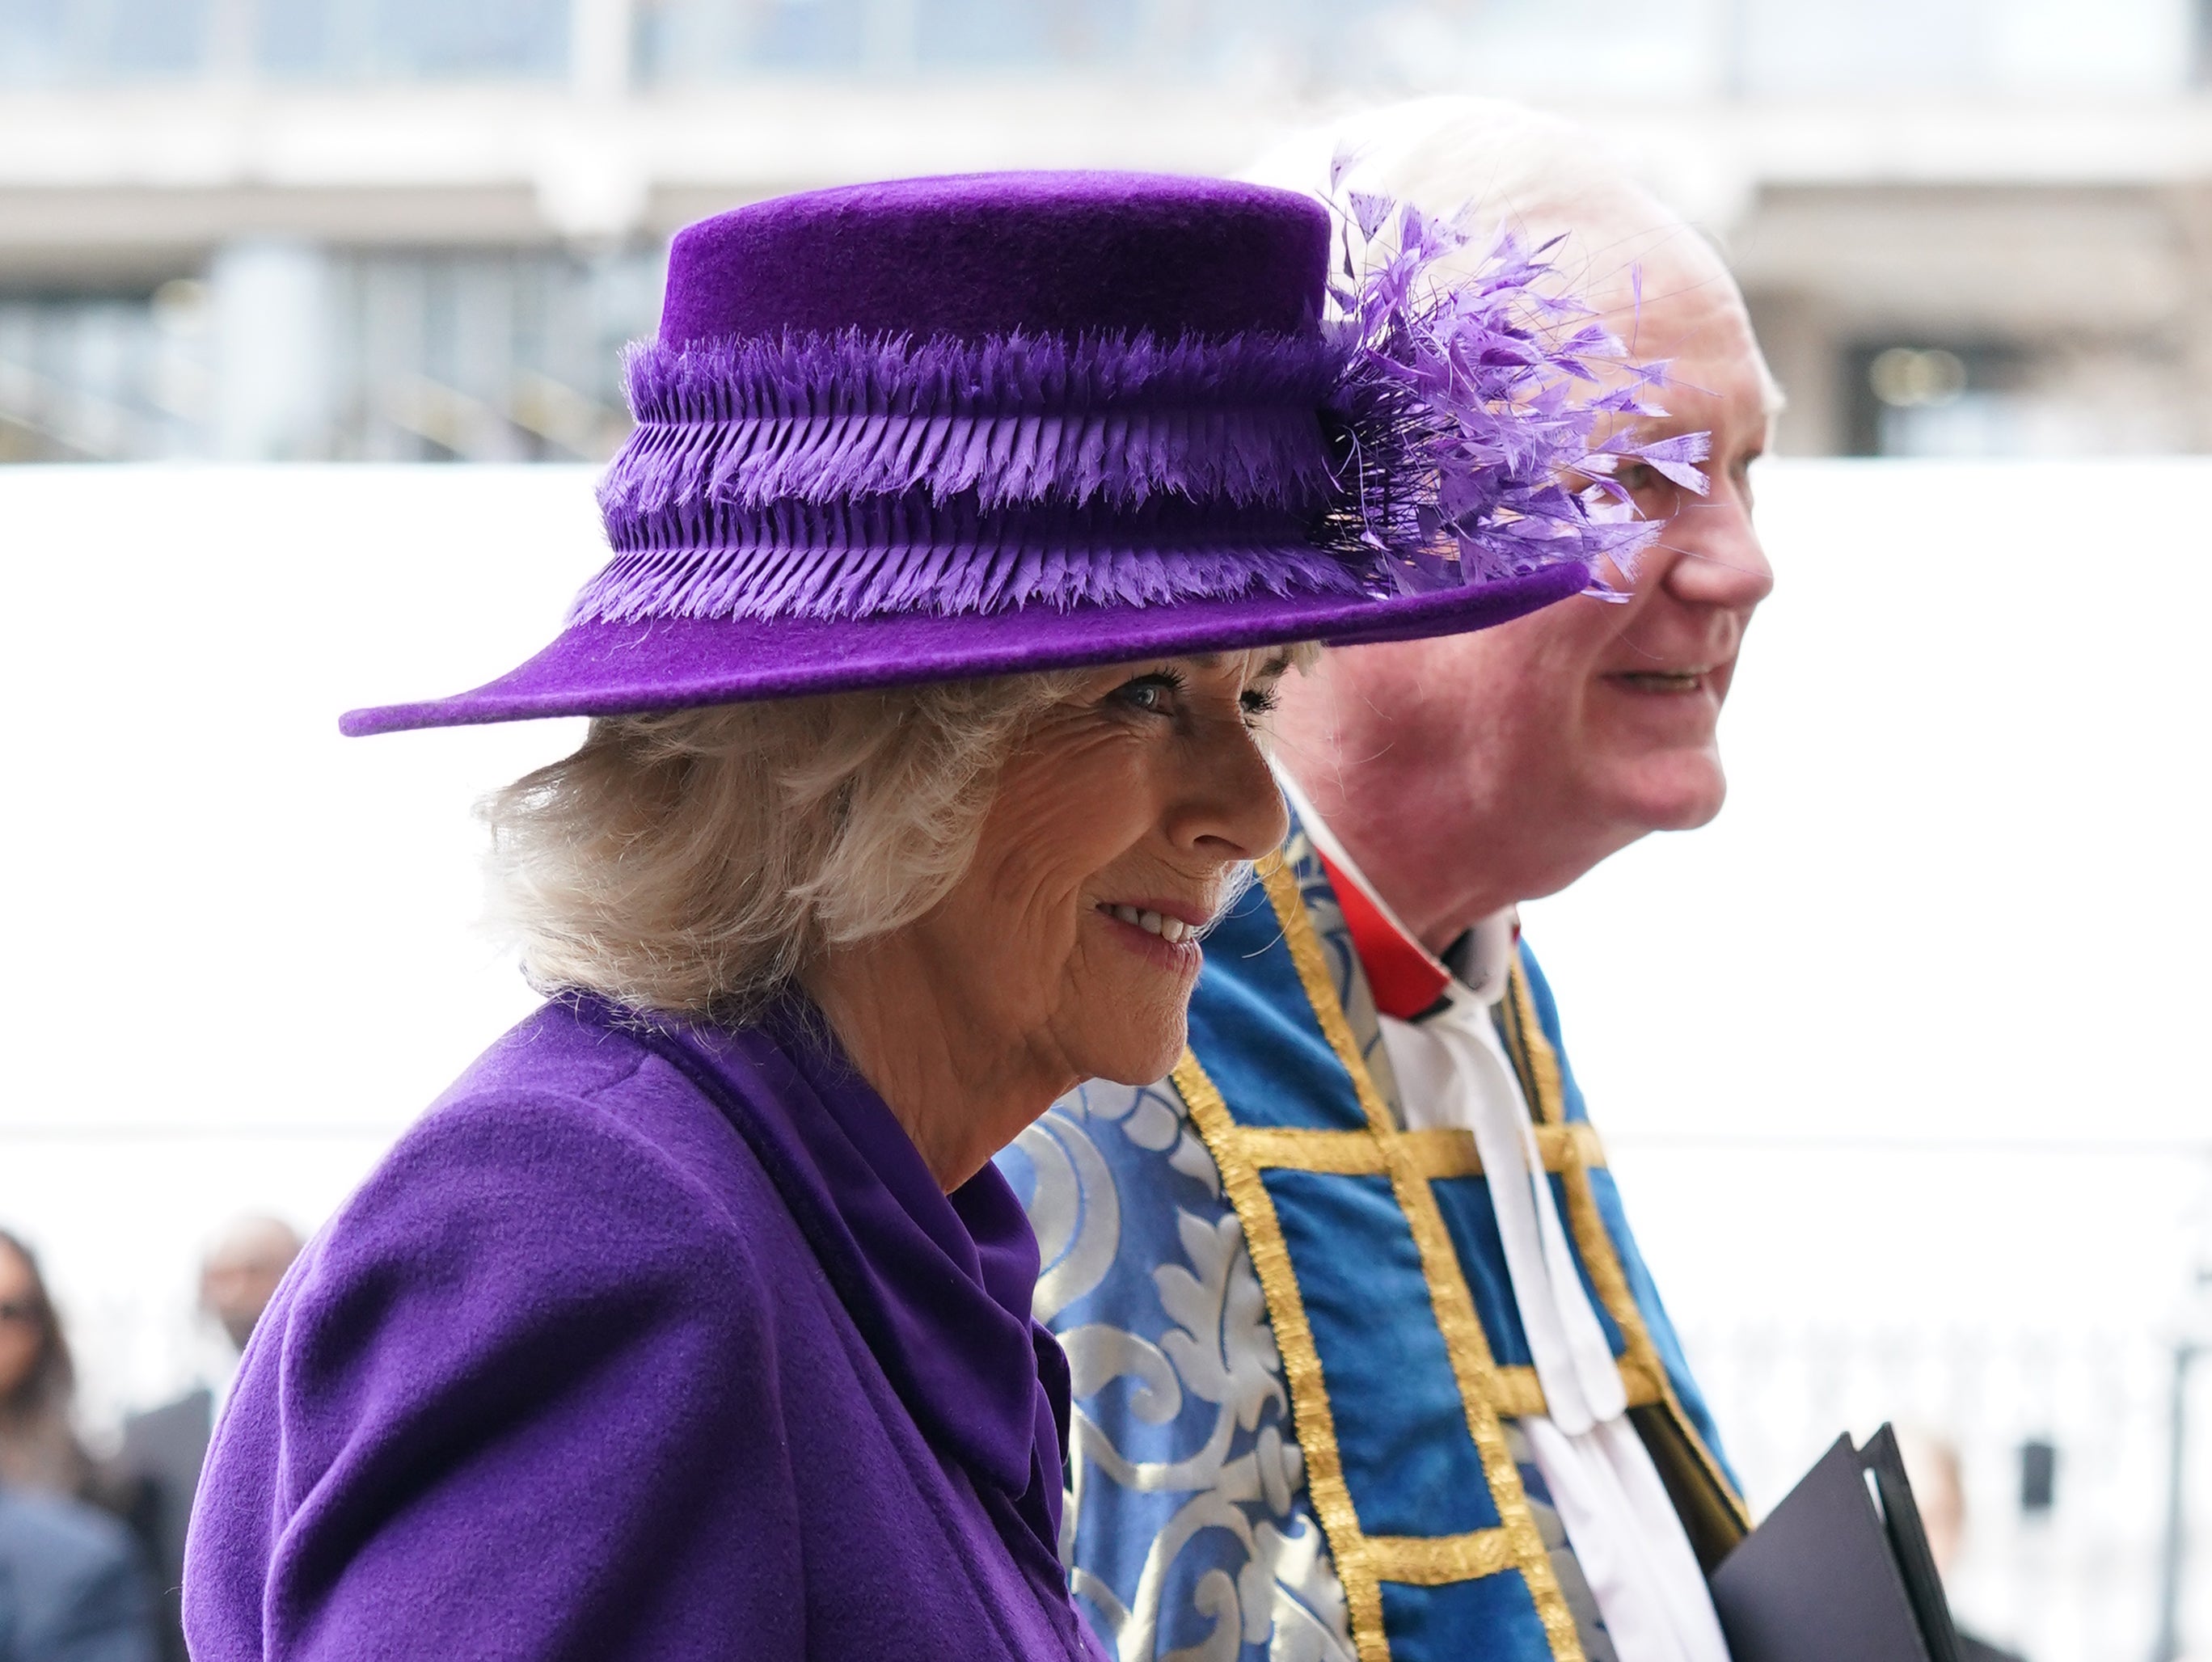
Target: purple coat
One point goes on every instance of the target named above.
(646, 1343)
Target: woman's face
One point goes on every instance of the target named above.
(22, 1321)
(1118, 829)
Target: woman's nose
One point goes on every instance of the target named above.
(1228, 805)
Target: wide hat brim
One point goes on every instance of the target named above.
(603, 668)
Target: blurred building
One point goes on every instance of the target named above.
(409, 228)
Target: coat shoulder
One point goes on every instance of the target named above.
(548, 1336)
(584, 1120)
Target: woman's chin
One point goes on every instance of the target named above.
(1134, 1058)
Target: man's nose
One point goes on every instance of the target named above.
(1715, 555)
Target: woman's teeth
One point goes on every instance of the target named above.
(1167, 929)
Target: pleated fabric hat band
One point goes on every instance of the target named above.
(842, 475)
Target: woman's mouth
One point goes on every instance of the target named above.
(1165, 935)
(1170, 929)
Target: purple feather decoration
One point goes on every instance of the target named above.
(1470, 411)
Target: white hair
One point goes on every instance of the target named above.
(696, 861)
(1505, 167)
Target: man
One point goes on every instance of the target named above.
(1351, 1379)
(158, 1470)
(1938, 1492)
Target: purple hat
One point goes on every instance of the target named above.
(969, 426)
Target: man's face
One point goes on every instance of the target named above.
(1536, 749)
(241, 1275)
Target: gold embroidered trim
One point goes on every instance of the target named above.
(1309, 1410)
(1282, 886)
(1641, 1369)
(1411, 1160)
(1346, 1153)
(1476, 1372)
(1513, 1389)
(1422, 1561)
(1520, 1392)
(1538, 1066)
(1473, 1369)
(1439, 1153)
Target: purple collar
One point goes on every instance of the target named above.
(939, 1285)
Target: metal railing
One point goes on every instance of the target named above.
(2109, 1571)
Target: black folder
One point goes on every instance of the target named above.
(1839, 1572)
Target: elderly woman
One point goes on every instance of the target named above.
(955, 551)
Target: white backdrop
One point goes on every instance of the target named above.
(1909, 1039)
(1900, 1060)
(1957, 906)
(243, 951)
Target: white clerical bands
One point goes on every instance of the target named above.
(1619, 1520)
(1581, 1382)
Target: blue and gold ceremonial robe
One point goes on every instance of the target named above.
(1297, 1358)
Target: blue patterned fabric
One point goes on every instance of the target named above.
(1191, 1532)
(1188, 1529)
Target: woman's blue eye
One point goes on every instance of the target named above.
(1148, 693)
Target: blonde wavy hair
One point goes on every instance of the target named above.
(694, 862)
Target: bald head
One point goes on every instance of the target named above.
(240, 1274)
(1471, 772)
(1497, 165)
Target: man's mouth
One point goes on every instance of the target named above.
(1664, 681)
(1172, 930)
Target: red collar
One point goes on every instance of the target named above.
(1406, 980)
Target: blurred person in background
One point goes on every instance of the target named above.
(71, 1588)
(153, 1479)
(239, 1274)
(1939, 1490)
(39, 1447)
(1475, 1457)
